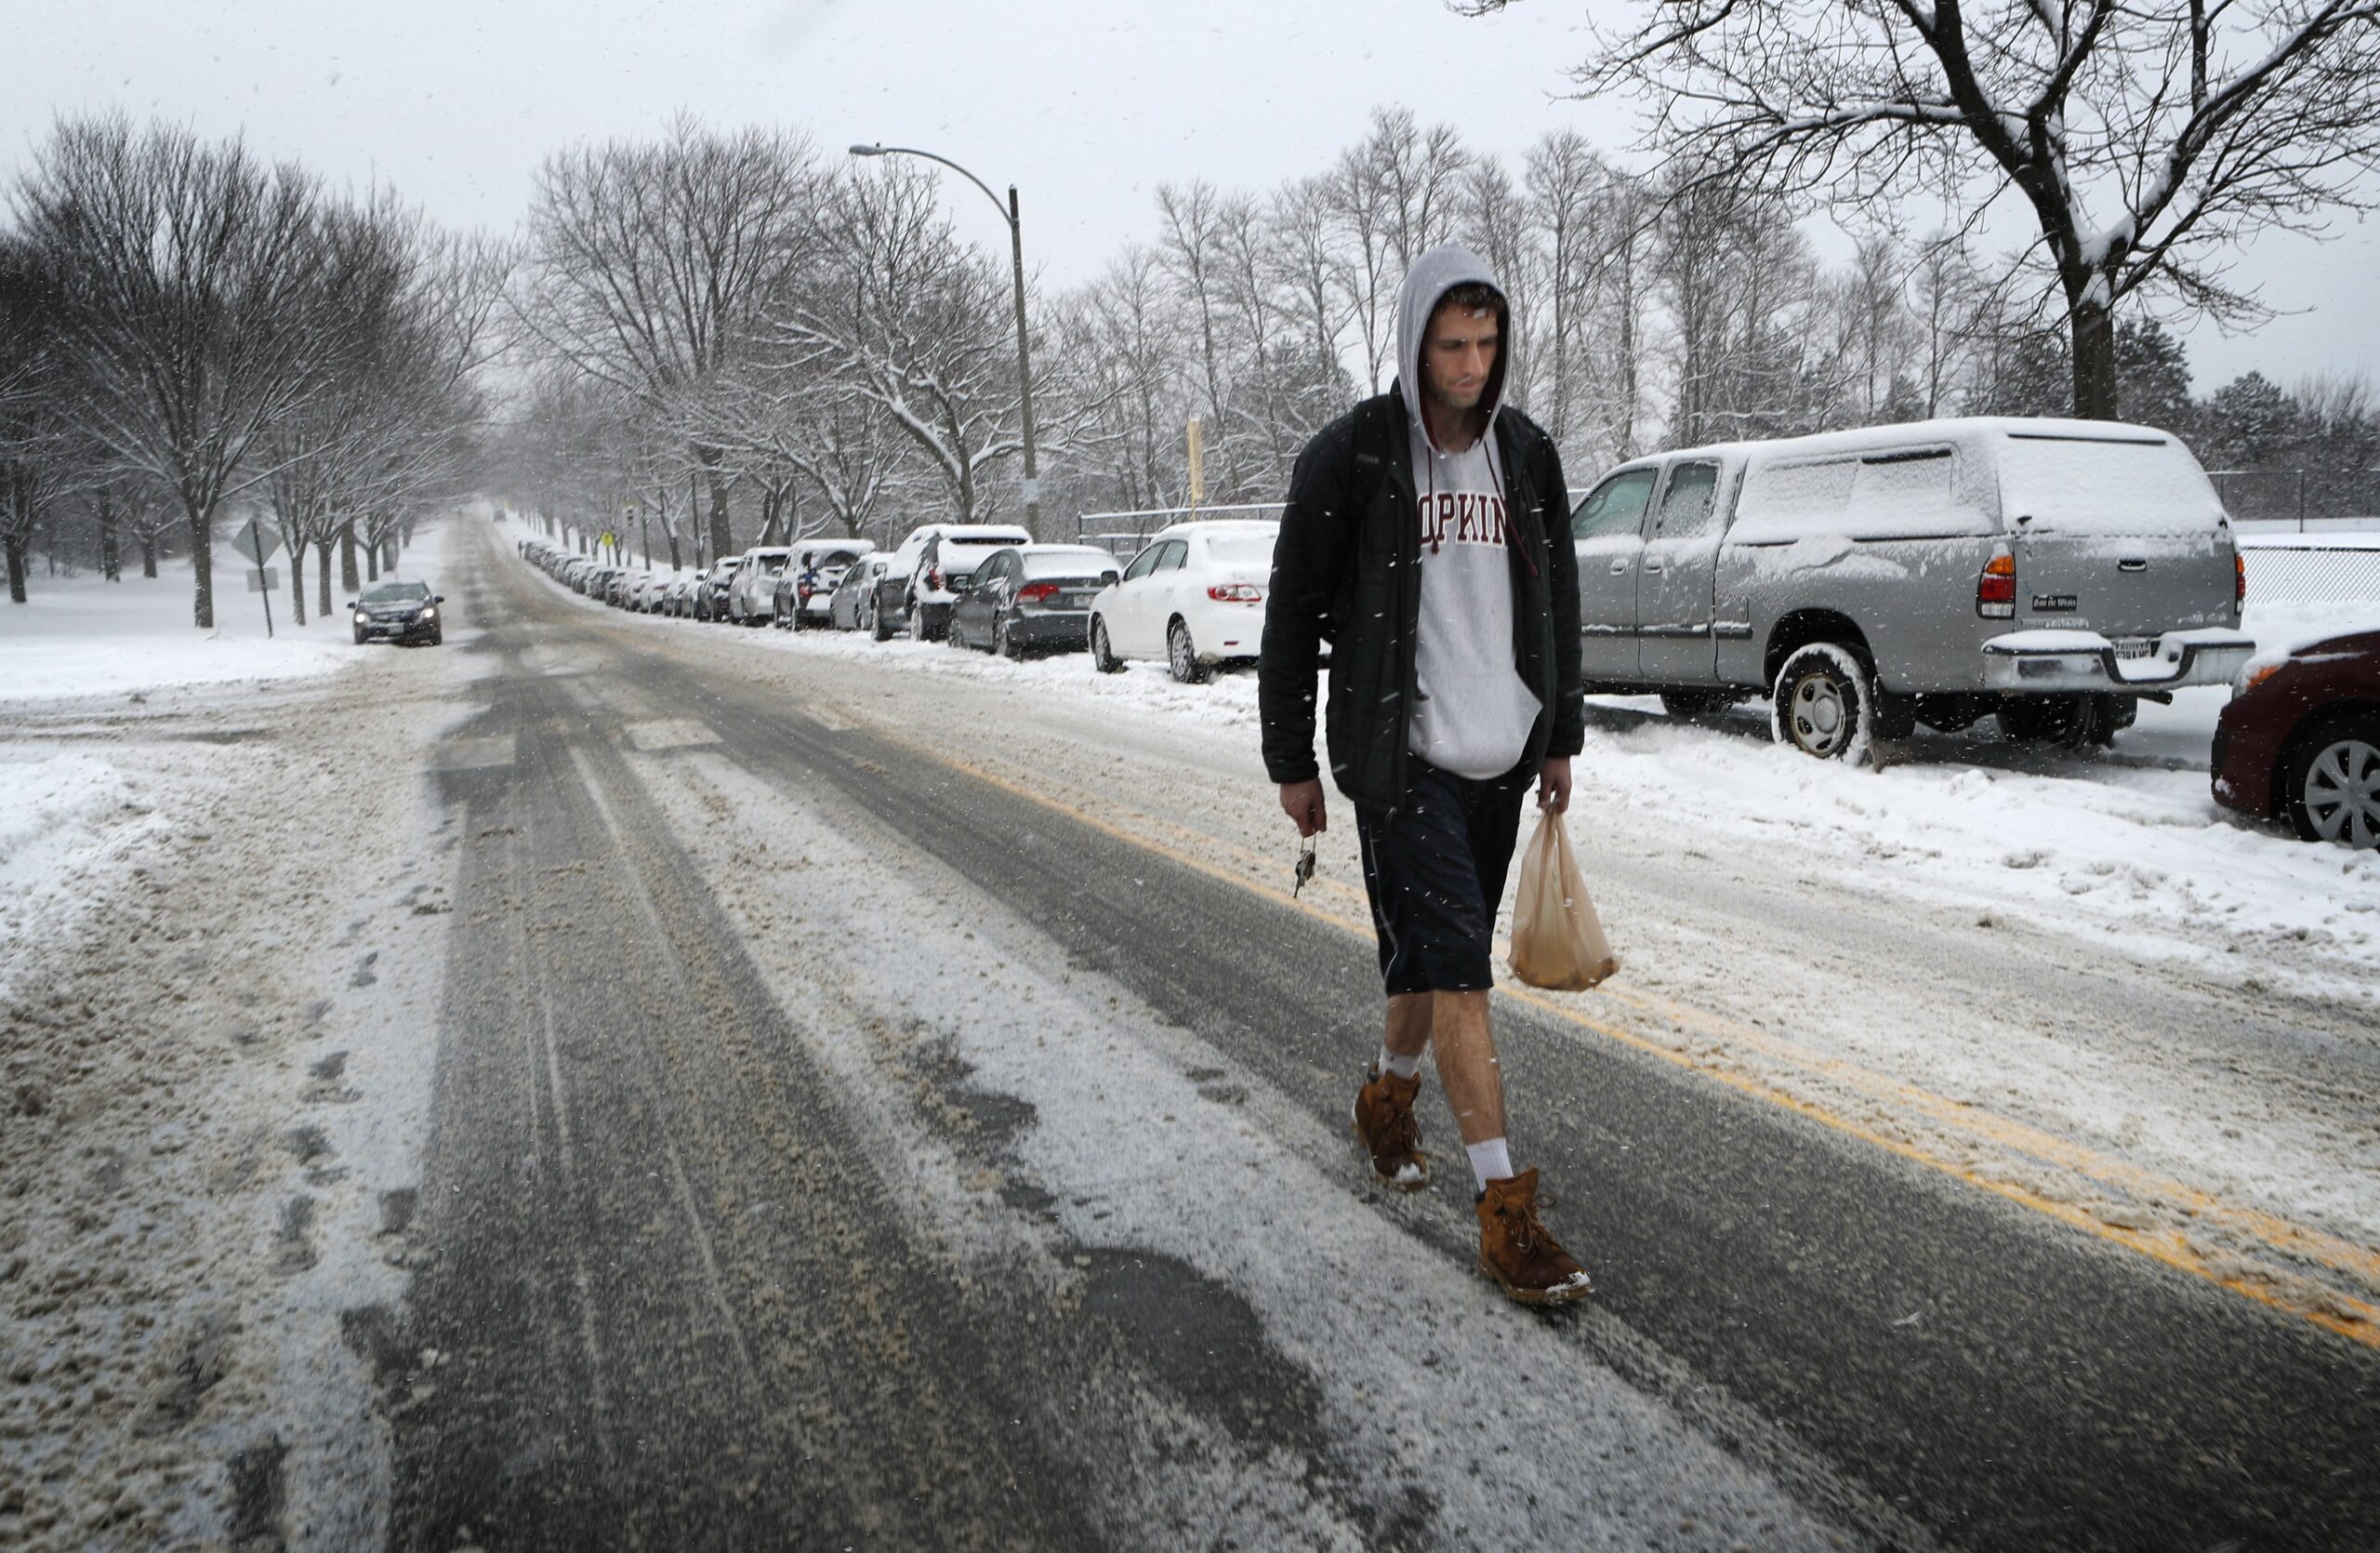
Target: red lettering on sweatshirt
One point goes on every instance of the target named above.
(1470, 517)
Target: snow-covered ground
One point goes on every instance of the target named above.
(2131, 849)
(83, 635)
(216, 1059)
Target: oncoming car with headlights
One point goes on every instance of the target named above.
(399, 612)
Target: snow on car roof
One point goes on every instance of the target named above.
(1955, 429)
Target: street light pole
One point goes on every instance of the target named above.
(1024, 351)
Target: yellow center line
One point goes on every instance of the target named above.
(2277, 1287)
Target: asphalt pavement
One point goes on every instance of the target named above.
(665, 1300)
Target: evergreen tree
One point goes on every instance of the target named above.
(2252, 424)
(2152, 377)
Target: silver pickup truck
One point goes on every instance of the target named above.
(2049, 573)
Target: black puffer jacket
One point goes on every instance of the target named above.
(1347, 569)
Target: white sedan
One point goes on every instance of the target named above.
(1193, 597)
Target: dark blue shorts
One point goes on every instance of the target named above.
(1435, 872)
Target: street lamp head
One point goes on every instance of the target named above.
(867, 151)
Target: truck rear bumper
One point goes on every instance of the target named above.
(2084, 660)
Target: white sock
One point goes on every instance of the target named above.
(1403, 1068)
(1489, 1160)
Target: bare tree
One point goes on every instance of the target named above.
(1394, 196)
(650, 264)
(33, 439)
(186, 269)
(916, 323)
(2150, 138)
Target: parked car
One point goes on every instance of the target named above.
(676, 599)
(852, 606)
(1031, 598)
(2049, 573)
(2300, 740)
(808, 582)
(642, 589)
(917, 576)
(394, 611)
(710, 595)
(748, 591)
(1193, 596)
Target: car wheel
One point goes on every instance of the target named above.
(2057, 722)
(1823, 703)
(918, 632)
(2331, 782)
(359, 636)
(876, 626)
(1182, 655)
(1102, 658)
(1005, 643)
(438, 637)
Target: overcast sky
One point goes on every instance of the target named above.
(1087, 106)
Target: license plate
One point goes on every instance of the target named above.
(2133, 647)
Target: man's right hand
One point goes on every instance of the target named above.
(1303, 802)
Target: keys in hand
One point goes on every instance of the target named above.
(1305, 866)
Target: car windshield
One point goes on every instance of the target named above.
(398, 592)
(1241, 550)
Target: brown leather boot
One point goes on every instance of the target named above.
(1516, 1251)
(1384, 1121)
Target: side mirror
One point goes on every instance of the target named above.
(351, 606)
(438, 598)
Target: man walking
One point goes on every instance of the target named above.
(1426, 537)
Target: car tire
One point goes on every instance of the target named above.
(1181, 655)
(2054, 722)
(2327, 780)
(438, 637)
(1101, 658)
(1003, 643)
(876, 626)
(1823, 703)
(359, 636)
(921, 629)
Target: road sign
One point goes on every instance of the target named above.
(263, 579)
(256, 541)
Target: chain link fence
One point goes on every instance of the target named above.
(2285, 569)
(2307, 500)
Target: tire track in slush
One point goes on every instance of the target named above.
(841, 1424)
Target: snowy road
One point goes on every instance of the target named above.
(883, 1103)
(887, 1098)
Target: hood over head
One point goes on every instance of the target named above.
(1432, 275)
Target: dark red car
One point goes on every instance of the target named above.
(2300, 741)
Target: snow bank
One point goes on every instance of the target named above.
(68, 817)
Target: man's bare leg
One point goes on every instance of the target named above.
(1475, 1085)
(1409, 1024)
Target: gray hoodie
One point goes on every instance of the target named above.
(1474, 711)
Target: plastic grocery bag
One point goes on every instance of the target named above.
(1557, 939)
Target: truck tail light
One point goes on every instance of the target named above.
(933, 579)
(2240, 578)
(1036, 592)
(1235, 592)
(1995, 591)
